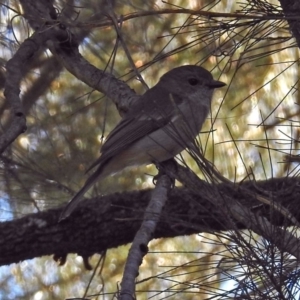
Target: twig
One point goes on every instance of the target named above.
(139, 246)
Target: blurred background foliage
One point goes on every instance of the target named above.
(252, 126)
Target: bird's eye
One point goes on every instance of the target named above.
(193, 81)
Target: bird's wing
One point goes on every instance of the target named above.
(132, 128)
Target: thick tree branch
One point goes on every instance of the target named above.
(107, 222)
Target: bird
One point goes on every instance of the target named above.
(162, 123)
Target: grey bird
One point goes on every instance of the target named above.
(162, 123)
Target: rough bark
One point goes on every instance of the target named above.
(110, 221)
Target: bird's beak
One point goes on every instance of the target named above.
(216, 84)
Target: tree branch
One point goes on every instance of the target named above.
(118, 91)
(185, 213)
(139, 247)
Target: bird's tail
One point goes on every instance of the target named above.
(79, 196)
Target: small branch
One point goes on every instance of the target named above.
(118, 91)
(118, 29)
(49, 72)
(198, 13)
(139, 246)
(14, 72)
